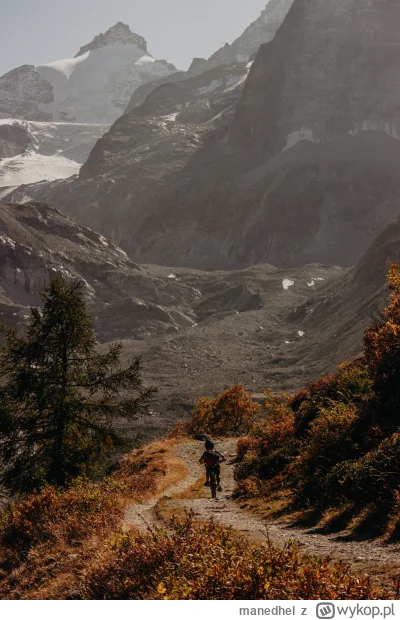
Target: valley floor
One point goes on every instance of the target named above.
(381, 561)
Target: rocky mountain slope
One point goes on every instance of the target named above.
(130, 167)
(197, 331)
(93, 87)
(245, 47)
(38, 242)
(302, 167)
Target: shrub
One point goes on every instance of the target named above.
(352, 383)
(375, 475)
(382, 344)
(329, 441)
(53, 515)
(210, 563)
(231, 413)
(272, 443)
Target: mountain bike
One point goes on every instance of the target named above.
(213, 483)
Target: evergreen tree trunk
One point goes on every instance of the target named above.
(58, 472)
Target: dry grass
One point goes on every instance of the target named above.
(55, 558)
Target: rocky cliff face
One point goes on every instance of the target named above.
(244, 48)
(120, 34)
(93, 87)
(14, 140)
(309, 170)
(25, 94)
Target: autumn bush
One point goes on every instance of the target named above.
(47, 524)
(209, 563)
(232, 413)
(336, 442)
(269, 447)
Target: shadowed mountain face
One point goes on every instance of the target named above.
(302, 166)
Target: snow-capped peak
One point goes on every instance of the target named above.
(119, 34)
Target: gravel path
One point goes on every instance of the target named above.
(373, 557)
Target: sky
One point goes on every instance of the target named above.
(39, 31)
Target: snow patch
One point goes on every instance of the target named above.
(301, 334)
(388, 128)
(314, 280)
(32, 168)
(7, 241)
(204, 90)
(236, 82)
(297, 136)
(170, 117)
(287, 284)
(96, 86)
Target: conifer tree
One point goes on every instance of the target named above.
(60, 397)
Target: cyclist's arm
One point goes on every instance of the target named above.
(222, 458)
(202, 459)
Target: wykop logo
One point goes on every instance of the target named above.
(326, 611)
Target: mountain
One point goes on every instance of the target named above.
(35, 151)
(297, 163)
(38, 242)
(93, 87)
(144, 151)
(245, 47)
(196, 330)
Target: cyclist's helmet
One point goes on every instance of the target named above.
(209, 445)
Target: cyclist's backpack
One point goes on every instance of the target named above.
(211, 458)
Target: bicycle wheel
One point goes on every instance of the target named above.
(213, 484)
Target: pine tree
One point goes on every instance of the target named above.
(60, 397)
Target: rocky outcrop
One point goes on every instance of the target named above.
(14, 140)
(245, 47)
(237, 298)
(25, 94)
(119, 34)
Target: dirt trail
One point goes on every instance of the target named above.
(373, 557)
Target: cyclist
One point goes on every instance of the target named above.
(212, 459)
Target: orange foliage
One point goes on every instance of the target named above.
(382, 341)
(231, 413)
(210, 563)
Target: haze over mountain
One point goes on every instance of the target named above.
(93, 87)
(64, 107)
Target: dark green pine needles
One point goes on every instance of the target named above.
(59, 397)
